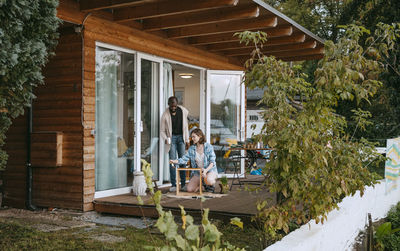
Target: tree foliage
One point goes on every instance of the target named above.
(385, 105)
(315, 162)
(319, 16)
(27, 35)
(324, 18)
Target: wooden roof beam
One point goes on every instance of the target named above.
(295, 38)
(303, 52)
(278, 31)
(242, 59)
(166, 8)
(302, 58)
(204, 17)
(273, 48)
(93, 5)
(231, 26)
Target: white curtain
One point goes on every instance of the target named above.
(107, 63)
(168, 92)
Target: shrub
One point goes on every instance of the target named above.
(27, 36)
(314, 163)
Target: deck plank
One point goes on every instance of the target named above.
(237, 202)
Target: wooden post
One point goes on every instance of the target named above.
(370, 234)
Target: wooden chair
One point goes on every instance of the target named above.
(178, 169)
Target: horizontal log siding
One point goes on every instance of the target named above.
(89, 94)
(56, 108)
(15, 174)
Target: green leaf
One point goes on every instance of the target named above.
(180, 242)
(272, 143)
(237, 222)
(192, 233)
(206, 248)
(140, 201)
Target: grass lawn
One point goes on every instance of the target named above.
(19, 234)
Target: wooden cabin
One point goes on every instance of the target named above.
(105, 89)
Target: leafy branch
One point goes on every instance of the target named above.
(194, 237)
(315, 163)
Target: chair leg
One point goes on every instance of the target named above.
(236, 176)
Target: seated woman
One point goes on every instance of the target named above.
(201, 155)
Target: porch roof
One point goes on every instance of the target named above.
(210, 25)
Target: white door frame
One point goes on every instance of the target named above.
(241, 119)
(138, 122)
(127, 189)
(202, 70)
(204, 108)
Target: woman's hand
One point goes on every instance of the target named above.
(173, 161)
(204, 173)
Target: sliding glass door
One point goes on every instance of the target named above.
(224, 112)
(149, 69)
(114, 133)
(131, 94)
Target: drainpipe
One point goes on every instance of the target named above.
(29, 179)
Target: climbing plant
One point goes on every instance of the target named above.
(314, 163)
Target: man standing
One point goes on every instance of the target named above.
(175, 132)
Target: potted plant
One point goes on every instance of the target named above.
(224, 184)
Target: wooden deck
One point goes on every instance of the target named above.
(237, 203)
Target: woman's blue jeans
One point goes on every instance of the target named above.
(177, 147)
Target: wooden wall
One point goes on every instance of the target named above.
(57, 108)
(89, 101)
(15, 174)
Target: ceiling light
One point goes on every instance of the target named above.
(186, 75)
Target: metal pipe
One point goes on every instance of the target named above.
(29, 178)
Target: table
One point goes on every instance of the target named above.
(249, 157)
(252, 157)
(187, 169)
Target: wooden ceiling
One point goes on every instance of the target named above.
(210, 25)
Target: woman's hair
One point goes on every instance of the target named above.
(199, 133)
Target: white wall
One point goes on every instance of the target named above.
(343, 226)
(192, 92)
(258, 124)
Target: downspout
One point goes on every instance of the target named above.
(29, 178)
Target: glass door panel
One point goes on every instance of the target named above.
(114, 142)
(150, 114)
(225, 110)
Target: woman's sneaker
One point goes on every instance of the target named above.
(209, 189)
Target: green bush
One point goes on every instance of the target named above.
(390, 239)
(378, 168)
(315, 163)
(27, 36)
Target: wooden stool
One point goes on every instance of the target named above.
(187, 169)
